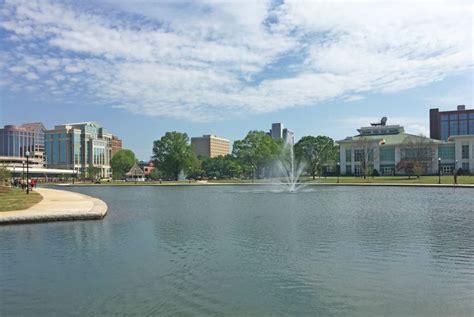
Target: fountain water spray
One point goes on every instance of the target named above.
(290, 170)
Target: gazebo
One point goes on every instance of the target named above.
(135, 174)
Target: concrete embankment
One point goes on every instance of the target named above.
(57, 205)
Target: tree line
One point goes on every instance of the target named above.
(252, 157)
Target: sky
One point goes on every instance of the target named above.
(141, 68)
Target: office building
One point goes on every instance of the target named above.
(16, 141)
(279, 132)
(210, 146)
(116, 144)
(444, 124)
(79, 146)
(383, 147)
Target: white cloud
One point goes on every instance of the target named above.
(224, 58)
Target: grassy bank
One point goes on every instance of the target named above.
(16, 199)
(445, 180)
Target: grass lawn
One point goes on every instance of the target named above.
(447, 180)
(16, 199)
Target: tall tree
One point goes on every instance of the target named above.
(364, 154)
(221, 167)
(121, 163)
(417, 155)
(256, 151)
(315, 152)
(172, 154)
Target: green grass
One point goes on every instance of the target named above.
(16, 199)
(446, 180)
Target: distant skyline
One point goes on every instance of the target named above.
(142, 68)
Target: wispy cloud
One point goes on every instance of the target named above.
(230, 58)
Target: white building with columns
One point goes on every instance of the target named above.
(386, 143)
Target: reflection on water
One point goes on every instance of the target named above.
(243, 250)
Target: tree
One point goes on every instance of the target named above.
(221, 167)
(417, 155)
(364, 154)
(154, 175)
(256, 151)
(316, 152)
(4, 175)
(93, 172)
(122, 162)
(172, 154)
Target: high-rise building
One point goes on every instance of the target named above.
(210, 146)
(79, 146)
(444, 124)
(116, 145)
(279, 132)
(15, 141)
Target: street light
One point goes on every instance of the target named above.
(27, 154)
(338, 171)
(439, 170)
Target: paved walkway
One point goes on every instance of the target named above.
(58, 205)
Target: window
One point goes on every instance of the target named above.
(447, 169)
(465, 167)
(348, 169)
(358, 170)
(387, 154)
(463, 127)
(358, 155)
(465, 151)
(387, 169)
(445, 130)
(453, 117)
(471, 126)
(444, 117)
(446, 152)
(453, 128)
(349, 155)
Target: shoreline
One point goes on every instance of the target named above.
(269, 184)
(57, 205)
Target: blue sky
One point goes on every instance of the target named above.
(143, 68)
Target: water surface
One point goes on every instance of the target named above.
(244, 250)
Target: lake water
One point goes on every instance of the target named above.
(247, 250)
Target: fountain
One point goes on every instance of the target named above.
(290, 170)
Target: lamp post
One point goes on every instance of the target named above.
(27, 154)
(338, 171)
(439, 170)
(456, 167)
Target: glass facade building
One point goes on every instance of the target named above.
(79, 146)
(444, 124)
(15, 141)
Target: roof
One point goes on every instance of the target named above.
(389, 139)
(135, 171)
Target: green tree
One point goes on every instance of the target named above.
(4, 175)
(93, 172)
(121, 163)
(172, 154)
(255, 152)
(155, 175)
(316, 152)
(221, 167)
